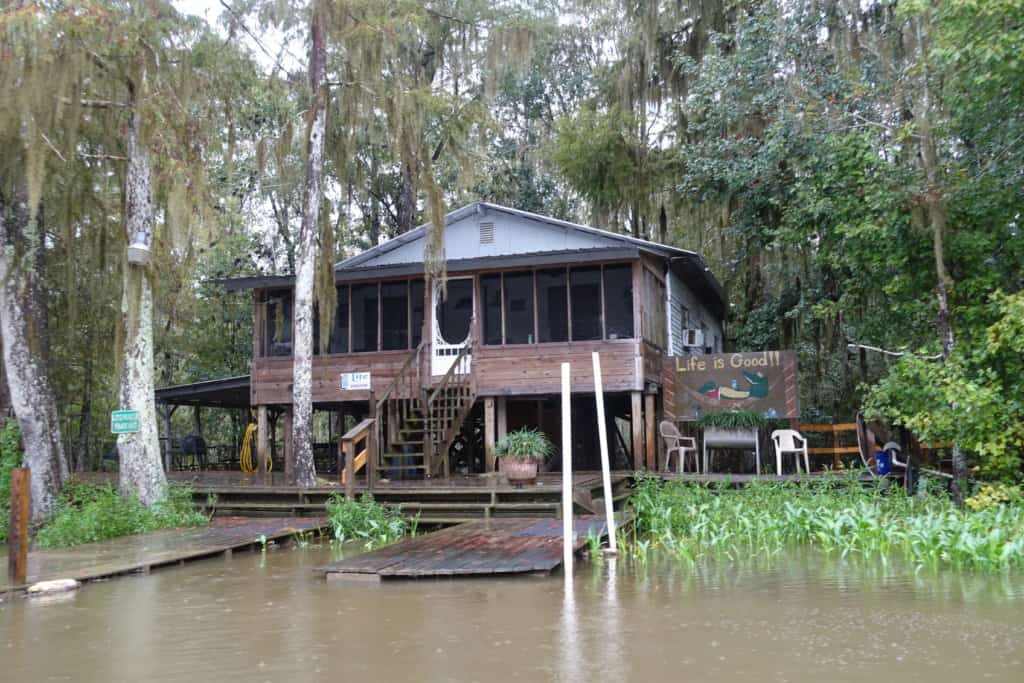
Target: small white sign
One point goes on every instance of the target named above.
(355, 381)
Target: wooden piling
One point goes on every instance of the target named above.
(17, 533)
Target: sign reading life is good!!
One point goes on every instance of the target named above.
(355, 381)
(125, 422)
(763, 382)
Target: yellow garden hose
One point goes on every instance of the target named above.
(245, 455)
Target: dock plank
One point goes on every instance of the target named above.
(141, 552)
(483, 547)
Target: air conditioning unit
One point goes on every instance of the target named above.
(693, 337)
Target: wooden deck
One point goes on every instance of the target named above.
(438, 500)
(143, 552)
(480, 548)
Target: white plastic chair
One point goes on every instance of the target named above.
(680, 445)
(790, 441)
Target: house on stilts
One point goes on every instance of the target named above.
(432, 380)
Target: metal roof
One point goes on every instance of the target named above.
(228, 392)
(688, 264)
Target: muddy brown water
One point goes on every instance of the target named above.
(266, 617)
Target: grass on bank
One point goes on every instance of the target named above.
(843, 517)
(89, 512)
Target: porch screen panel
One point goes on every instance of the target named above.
(339, 330)
(519, 308)
(394, 306)
(585, 300)
(552, 306)
(364, 317)
(618, 301)
(490, 292)
(279, 323)
(416, 304)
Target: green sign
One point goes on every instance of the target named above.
(124, 422)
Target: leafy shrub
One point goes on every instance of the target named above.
(87, 513)
(366, 519)
(524, 443)
(974, 399)
(837, 516)
(994, 495)
(10, 457)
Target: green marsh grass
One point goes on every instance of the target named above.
(841, 516)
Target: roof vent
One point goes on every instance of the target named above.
(487, 233)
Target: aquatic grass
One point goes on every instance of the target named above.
(847, 518)
(87, 513)
(366, 520)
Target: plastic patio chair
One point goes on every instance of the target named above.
(790, 441)
(680, 445)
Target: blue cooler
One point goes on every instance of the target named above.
(883, 463)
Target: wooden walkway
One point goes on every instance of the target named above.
(140, 553)
(485, 547)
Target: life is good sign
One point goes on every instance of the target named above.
(764, 382)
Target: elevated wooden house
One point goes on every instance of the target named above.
(445, 376)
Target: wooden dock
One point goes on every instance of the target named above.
(478, 548)
(143, 552)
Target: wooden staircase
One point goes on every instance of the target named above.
(417, 423)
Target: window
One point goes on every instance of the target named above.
(364, 317)
(394, 307)
(585, 300)
(618, 301)
(490, 292)
(416, 298)
(339, 331)
(552, 306)
(519, 308)
(278, 325)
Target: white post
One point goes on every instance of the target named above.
(606, 470)
(567, 525)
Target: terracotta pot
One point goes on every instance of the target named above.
(519, 470)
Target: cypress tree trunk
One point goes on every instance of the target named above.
(24, 326)
(141, 470)
(305, 266)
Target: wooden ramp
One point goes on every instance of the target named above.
(142, 552)
(484, 547)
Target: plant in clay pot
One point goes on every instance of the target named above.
(521, 452)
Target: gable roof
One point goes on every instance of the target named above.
(588, 244)
(603, 243)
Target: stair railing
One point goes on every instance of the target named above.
(399, 401)
(448, 405)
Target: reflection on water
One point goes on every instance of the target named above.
(267, 617)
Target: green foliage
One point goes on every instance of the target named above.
(994, 495)
(87, 513)
(732, 419)
(10, 457)
(524, 443)
(974, 399)
(843, 517)
(366, 520)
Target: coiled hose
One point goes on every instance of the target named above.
(245, 455)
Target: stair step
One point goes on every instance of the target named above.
(407, 442)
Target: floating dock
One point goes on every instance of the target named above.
(478, 548)
(143, 552)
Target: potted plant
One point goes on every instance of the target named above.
(521, 453)
(732, 429)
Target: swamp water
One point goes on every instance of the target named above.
(267, 617)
